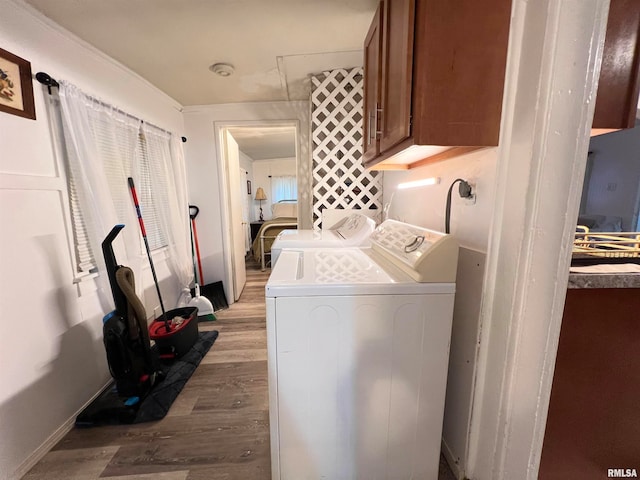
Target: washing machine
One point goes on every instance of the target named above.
(358, 346)
(350, 231)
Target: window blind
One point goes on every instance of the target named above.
(83, 253)
(153, 188)
(125, 152)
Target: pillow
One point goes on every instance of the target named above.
(286, 209)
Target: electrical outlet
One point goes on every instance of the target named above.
(471, 198)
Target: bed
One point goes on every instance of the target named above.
(285, 217)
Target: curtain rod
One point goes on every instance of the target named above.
(46, 79)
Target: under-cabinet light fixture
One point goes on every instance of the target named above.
(419, 183)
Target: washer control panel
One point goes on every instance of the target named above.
(412, 248)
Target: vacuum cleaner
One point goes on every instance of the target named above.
(133, 359)
(134, 356)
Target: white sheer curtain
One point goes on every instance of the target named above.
(284, 187)
(106, 146)
(169, 181)
(96, 135)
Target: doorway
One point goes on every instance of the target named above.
(611, 188)
(253, 156)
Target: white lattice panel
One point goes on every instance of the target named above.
(339, 178)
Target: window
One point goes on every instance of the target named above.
(284, 187)
(126, 149)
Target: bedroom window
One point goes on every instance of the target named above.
(284, 187)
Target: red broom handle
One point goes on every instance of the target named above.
(195, 238)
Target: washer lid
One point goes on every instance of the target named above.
(344, 271)
(306, 238)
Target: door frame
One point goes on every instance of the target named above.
(223, 173)
(544, 140)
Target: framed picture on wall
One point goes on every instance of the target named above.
(248, 187)
(16, 86)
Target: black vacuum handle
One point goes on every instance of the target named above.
(193, 215)
(112, 265)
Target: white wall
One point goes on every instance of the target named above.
(203, 169)
(246, 163)
(614, 184)
(263, 170)
(470, 224)
(51, 350)
(469, 221)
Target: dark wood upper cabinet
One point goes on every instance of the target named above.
(439, 80)
(617, 98)
(397, 54)
(372, 85)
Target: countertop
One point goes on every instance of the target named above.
(603, 279)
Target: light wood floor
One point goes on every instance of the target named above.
(217, 429)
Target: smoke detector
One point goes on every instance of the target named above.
(222, 69)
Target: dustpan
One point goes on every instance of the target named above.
(204, 306)
(215, 293)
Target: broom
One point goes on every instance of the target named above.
(213, 291)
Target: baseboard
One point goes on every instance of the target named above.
(454, 464)
(54, 438)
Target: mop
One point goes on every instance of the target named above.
(205, 307)
(176, 331)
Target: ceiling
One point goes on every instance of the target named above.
(263, 143)
(273, 45)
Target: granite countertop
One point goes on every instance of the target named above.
(605, 276)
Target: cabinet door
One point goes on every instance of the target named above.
(397, 54)
(617, 96)
(372, 71)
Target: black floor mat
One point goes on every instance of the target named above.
(110, 409)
